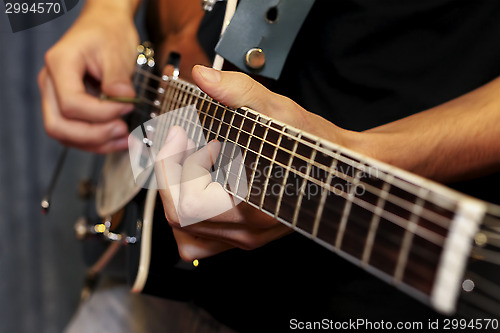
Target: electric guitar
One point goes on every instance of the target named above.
(413, 233)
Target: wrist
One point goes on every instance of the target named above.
(127, 7)
(368, 144)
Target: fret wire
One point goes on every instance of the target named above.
(370, 239)
(345, 161)
(193, 117)
(223, 144)
(168, 96)
(181, 108)
(175, 104)
(268, 176)
(324, 194)
(302, 188)
(212, 121)
(258, 158)
(285, 177)
(177, 98)
(408, 236)
(169, 106)
(392, 198)
(173, 101)
(347, 209)
(220, 122)
(185, 111)
(202, 123)
(252, 177)
(240, 169)
(230, 164)
(200, 110)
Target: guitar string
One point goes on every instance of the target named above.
(408, 187)
(402, 202)
(181, 119)
(441, 220)
(411, 189)
(400, 222)
(416, 248)
(330, 188)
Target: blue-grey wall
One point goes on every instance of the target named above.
(41, 267)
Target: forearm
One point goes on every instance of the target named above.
(454, 141)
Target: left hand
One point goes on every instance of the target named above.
(189, 196)
(186, 186)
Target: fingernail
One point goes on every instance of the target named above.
(209, 74)
(123, 89)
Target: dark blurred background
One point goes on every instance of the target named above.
(41, 265)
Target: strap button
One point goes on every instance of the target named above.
(255, 58)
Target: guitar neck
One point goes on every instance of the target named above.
(408, 231)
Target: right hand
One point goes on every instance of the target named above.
(101, 43)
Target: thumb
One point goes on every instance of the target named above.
(116, 79)
(233, 89)
(236, 90)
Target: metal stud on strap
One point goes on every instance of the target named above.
(208, 5)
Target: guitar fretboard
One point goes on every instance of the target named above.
(392, 223)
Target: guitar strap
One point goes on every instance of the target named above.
(261, 34)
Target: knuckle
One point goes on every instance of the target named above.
(67, 109)
(172, 218)
(190, 207)
(184, 253)
(53, 129)
(247, 87)
(41, 78)
(247, 244)
(49, 56)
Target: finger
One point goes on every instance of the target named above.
(74, 132)
(105, 148)
(174, 148)
(197, 167)
(241, 236)
(200, 198)
(168, 170)
(73, 100)
(116, 78)
(237, 89)
(191, 247)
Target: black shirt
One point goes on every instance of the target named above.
(359, 64)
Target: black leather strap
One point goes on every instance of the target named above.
(270, 25)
